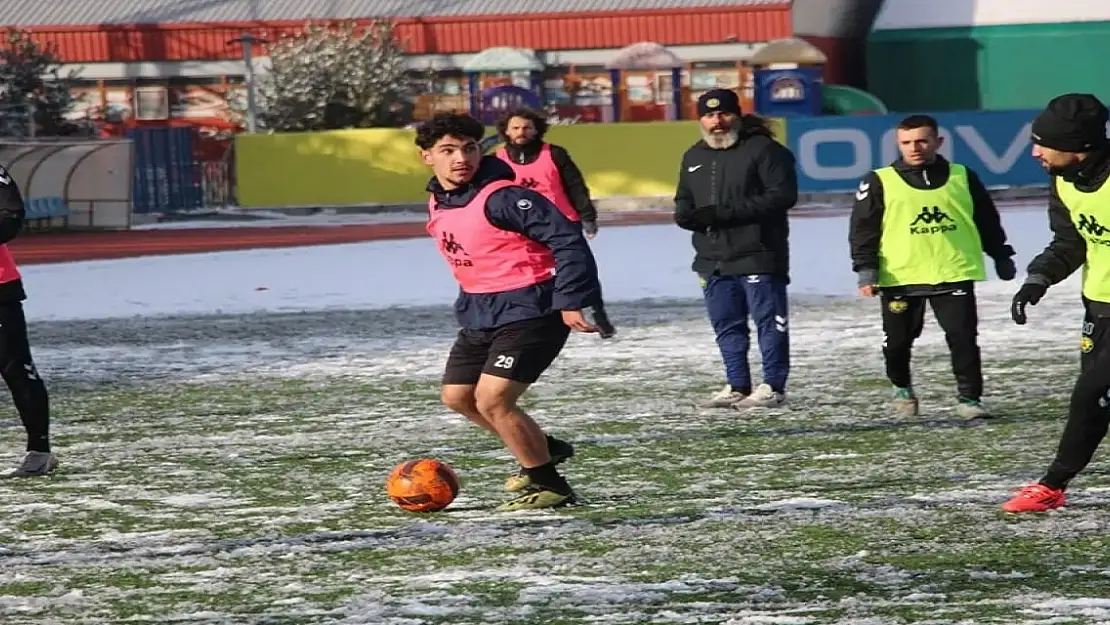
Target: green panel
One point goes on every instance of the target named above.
(845, 100)
(912, 73)
(1026, 73)
(988, 67)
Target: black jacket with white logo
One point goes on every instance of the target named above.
(735, 201)
(865, 230)
(12, 213)
(1068, 250)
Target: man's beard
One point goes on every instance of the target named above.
(719, 141)
(1070, 173)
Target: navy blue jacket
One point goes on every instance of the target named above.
(575, 285)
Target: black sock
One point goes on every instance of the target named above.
(552, 443)
(546, 477)
(1054, 481)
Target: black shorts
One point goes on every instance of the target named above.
(519, 351)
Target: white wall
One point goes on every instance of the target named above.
(835, 18)
(904, 14)
(165, 69)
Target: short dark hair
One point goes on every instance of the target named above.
(443, 125)
(913, 122)
(538, 120)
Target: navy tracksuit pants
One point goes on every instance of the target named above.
(730, 301)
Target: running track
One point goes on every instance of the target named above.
(60, 247)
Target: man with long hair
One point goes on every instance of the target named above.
(545, 167)
(735, 187)
(549, 170)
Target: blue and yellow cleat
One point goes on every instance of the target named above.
(560, 452)
(538, 499)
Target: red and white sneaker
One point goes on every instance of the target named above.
(1036, 498)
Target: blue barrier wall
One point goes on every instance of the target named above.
(167, 176)
(833, 153)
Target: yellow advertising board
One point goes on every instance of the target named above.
(383, 166)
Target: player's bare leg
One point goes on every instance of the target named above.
(496, 400)
(460, 398)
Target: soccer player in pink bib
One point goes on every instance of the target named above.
(525, 275)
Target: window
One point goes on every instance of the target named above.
(152, 103)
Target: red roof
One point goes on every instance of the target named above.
(433, 35)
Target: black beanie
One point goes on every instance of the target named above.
(1074, 122)
(719, 100)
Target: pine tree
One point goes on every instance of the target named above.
(31, 81)
(335, 77)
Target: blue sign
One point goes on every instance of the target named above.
(834, 153)
(787, 92)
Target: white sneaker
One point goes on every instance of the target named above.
(905, 403)
(35, 463)
(972, 409)
(762, 397)
(725, 398)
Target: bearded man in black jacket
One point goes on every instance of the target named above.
(734, 190)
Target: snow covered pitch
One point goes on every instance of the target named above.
(225, 423)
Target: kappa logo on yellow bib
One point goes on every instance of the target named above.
(1086, 344)
(897, 306)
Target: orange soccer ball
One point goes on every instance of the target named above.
(423, 485)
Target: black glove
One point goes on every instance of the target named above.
(1029, 294)
(704, 216)
(589, 227)
(601, 320)
(1005, 268)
